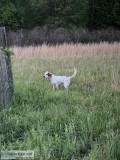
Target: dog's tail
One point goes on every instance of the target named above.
(74, 74)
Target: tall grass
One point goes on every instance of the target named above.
(67, 49)
(82, 123)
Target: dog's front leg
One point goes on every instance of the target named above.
(53, 87)
(57, 86)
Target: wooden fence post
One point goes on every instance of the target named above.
(6, 78)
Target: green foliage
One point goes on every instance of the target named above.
(104, 13)
(71, 14)
(8, 16)
(8, 52)
(116, 14)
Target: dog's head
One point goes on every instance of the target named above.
(47, 75)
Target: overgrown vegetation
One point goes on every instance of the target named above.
(54, 36)
(8, 52)
(81, 124)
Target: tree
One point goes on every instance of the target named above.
(103, 13)
(71, 14)
(8, 16)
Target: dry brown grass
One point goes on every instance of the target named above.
(67, 49)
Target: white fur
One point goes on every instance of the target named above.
(57, 80)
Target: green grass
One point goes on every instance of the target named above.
(81, 124)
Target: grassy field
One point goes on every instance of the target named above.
(81, 124)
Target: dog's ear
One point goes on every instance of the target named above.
(49, 74)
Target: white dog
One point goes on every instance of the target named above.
(57, 80)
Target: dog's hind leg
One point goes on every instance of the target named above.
(67, 83)
(66, 86)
